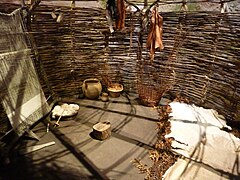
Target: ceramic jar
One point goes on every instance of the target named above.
(92, 88)
(104, 97)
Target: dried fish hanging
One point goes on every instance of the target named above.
(111, 13)
(121, 13)
(154, 39)
(116, 13)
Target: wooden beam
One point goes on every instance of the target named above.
(33, 6)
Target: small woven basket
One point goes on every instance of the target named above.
(149, 95)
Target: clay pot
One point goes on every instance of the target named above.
(104, 97)
(115, 90)
(92, 88)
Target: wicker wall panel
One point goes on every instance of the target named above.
(205, 44)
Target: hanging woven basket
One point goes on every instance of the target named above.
(149, 95)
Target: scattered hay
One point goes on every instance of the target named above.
(162, 156)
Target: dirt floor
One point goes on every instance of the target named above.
(136, 149)
(76, 154)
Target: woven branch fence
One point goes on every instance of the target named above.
(200, 60)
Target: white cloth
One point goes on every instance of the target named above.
(197, 135)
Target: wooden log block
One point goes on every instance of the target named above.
(102, 130)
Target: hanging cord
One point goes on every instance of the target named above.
(178, 42)
(73, 44)
(223, 9)
(131, 29)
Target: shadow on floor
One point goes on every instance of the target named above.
(24, 168)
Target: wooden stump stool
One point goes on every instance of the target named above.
(102, 130)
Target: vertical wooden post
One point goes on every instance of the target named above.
(145, 4)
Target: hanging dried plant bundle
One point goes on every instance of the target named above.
(154, 39)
